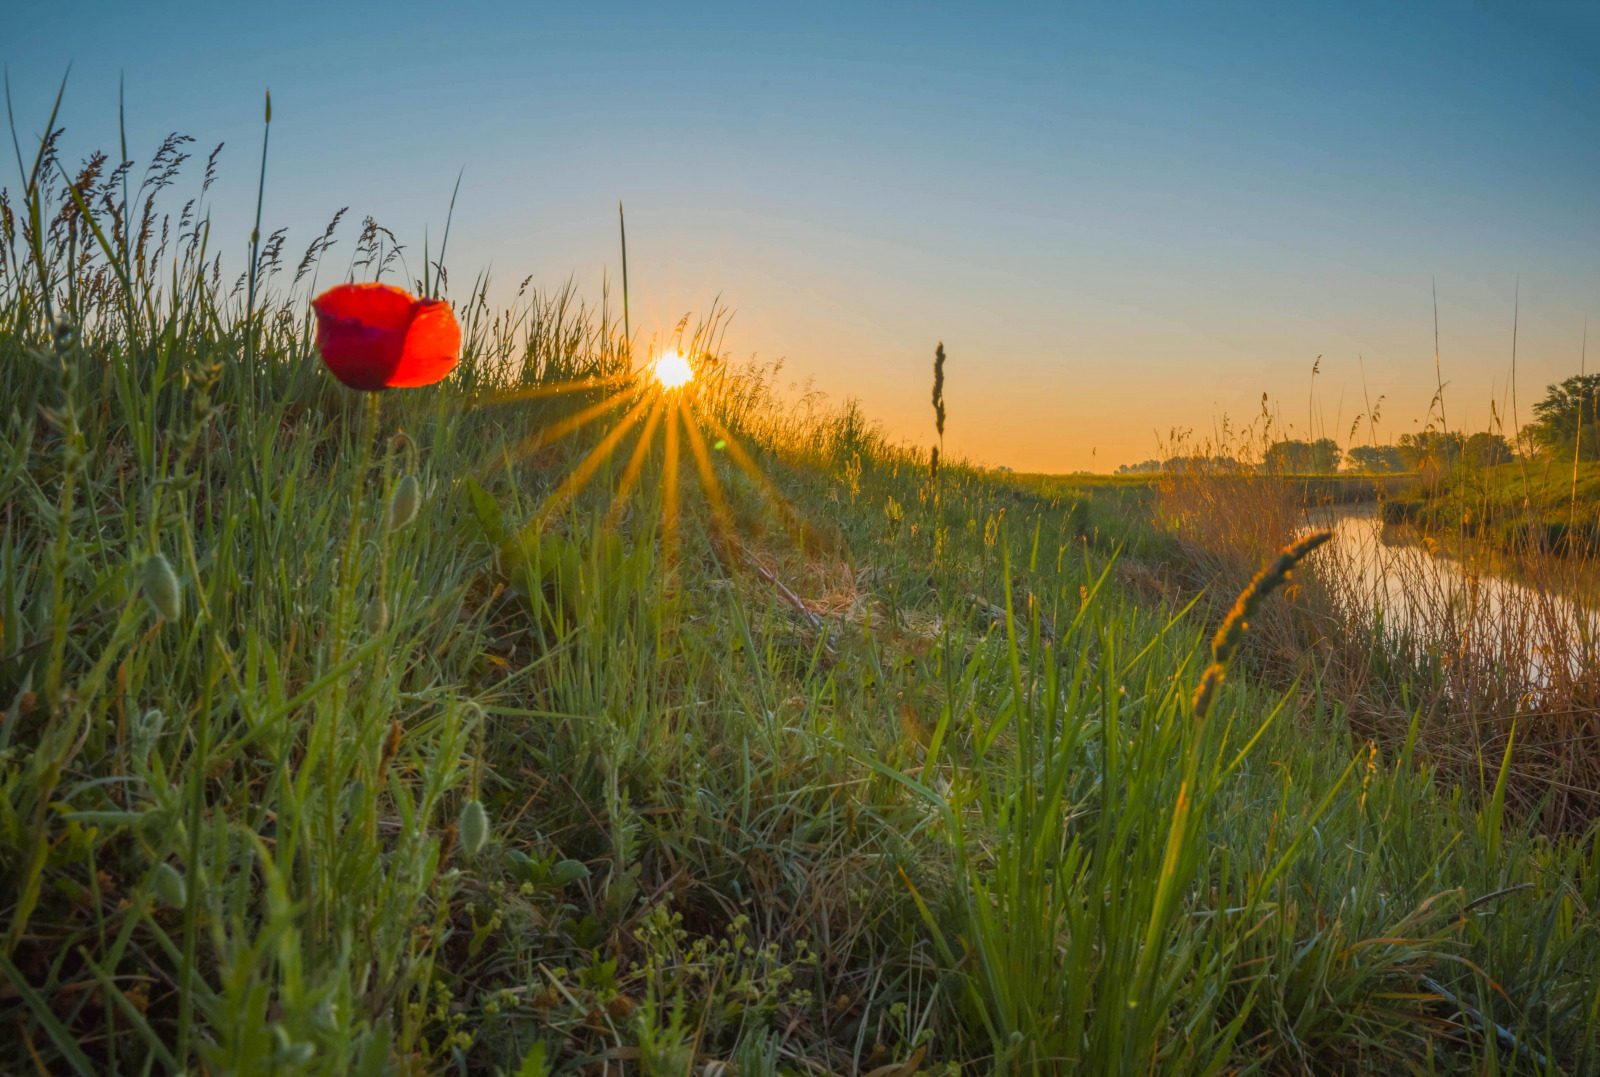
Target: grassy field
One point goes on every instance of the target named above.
(761, 751)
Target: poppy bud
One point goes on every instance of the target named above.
(406, 502)
(473, 827)
(376, 617)
(169, 886)
(161, 588)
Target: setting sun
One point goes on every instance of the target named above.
(673, 370)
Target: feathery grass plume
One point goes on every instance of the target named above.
(161, 588)
(1229, 636)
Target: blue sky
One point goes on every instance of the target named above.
(1121, 219)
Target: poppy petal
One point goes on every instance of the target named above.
(431, 348)
(361, 332)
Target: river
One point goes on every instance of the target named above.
(1500, 608)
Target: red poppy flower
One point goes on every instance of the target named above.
(376, 336)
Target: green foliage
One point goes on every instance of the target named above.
(1375, 459)
(533, 1063)
(1432, 449)
(1568, 409)
(1295, 457)
(561, 579)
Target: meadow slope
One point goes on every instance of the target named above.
(758, 751)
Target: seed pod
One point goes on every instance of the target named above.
(406, 502)
(376, 617)
(474, 828)
(169, 886)
(162, 589)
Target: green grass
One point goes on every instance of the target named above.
(1535, 504)
(957, 816)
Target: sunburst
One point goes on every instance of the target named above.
(668, 403)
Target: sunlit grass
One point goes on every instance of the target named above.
(958, 815)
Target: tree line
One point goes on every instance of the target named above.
(1566, 425)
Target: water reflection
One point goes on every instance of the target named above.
(1410, 588)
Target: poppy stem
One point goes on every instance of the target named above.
(341, 637)
(384, 522)
(352, 550)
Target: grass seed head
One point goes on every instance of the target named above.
(1226, 643)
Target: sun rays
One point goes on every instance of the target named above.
(668, 410)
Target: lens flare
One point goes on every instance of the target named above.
(673, 370)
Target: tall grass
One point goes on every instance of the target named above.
(883, 817)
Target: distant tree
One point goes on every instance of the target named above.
(1429, 449)
(1295, 457)
(1286, 456)
(1486, 450)
(1565, 409)
(1375, 459)
(1144, 468)
(1436, 451)
(1199, 464)
(1325, 456)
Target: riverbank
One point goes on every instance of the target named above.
(1486, 643)
(1535, 505)
(1337, 489)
